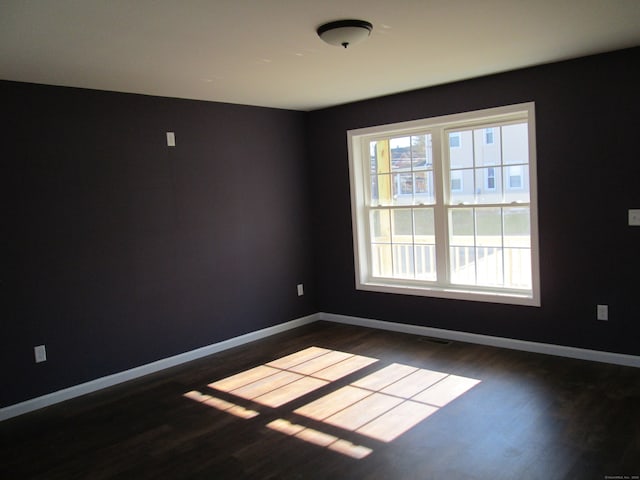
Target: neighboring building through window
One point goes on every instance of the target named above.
(446, 206)
(455, 140)
(456, 181)
(491, 178)
(515, 177)
(488, 136)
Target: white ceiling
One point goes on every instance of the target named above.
(266, 52)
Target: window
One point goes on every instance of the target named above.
(515, 177)
(446, 206)
(456, 181)
(455, 140)
(491, 178)
(488, 136)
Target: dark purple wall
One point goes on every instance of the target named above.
(587, 118)
(118, 250)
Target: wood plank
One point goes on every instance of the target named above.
(385, 377)
(446, 390)
(535, 415)
(265, 385)
(244, 378)
(320, 363)
(414, 383)
(290, 392)
(362, 412)
(298, 357)
(390, 425)
(333, 402)
(344, 368)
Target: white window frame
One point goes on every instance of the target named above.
(439, 127)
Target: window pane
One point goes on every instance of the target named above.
(517, 268)
(403, 261)
(461, 227)
(381, 190)
(489, 266)
(402, 188)
(380, 157)
(487, 153)
(424, 239)
(425, 262)
(516, 183)
(460, 149)
(489, 185)
(462, 265)
(462, 187)
(400, 154)
(515, 144)
(381, 262)
(517, 227)
(490, 178)
(380, 226)
(424, 225)
(402, 226)
(423, 188)
(421, 151)
(489, 227)
(373, 160)
(489, 136)
(456, 181)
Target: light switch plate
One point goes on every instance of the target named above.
(171, 139)
(634, 217)
(602, 312)
(40, 353)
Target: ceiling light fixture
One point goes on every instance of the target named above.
(344, 32)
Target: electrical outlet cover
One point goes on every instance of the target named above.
(602, 312)
(40, 353)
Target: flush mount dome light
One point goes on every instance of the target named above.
(344, 32)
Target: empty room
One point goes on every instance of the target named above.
(309, 240)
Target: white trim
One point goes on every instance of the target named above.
(526, 346)
(110, 380)
(120, 377)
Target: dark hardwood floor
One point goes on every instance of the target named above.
(530, 417)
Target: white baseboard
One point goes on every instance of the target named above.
(545, 348)
(116, 378)
(110, 380)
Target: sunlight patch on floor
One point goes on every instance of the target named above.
(293, 376)
(381, 406)
(320, 438)
(446, 390)
(222, 405)
(388, 402)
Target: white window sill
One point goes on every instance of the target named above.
(454, 293)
